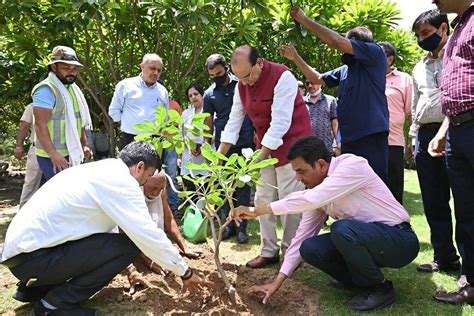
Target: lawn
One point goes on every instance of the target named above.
(414, 290)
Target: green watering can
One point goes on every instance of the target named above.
(195, 223)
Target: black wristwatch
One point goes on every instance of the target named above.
(187, 275)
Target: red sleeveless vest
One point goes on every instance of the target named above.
(257, 101)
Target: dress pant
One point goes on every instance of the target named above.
(75, 270)
(374, 148)
(435, 193)
(46, 166)
(396, 171)
(279, 182)
(32, 177)
(460, 164)
(170, 165)
(353, 252)
(125, 139)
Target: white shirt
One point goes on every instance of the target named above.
(426, 105)
(187, 156)
(284, 95)
(134, 102)
(88, 199)
(28, 118)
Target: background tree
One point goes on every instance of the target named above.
(110, 38)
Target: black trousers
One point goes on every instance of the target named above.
(374, 148)
(75, 270)
(435, 193)
(125, 139)
(396, 171)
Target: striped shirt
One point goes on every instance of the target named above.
(457, 88)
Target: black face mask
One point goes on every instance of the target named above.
(431, 42)
(348, 59)
(220, 80)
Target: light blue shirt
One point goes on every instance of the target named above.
(134, 102)
(44, 98)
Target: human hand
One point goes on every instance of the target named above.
(436, 146)
(288, 51)
(243, 212)
(156, 268)
(59, 162)
(192, 254)
(297, 14)
(268, 289)
(87, 153)
(196, 281)
(19, 152)
(196, 152)
(136, 278)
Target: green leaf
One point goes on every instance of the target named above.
(160, 114)
(263, 163)
(194, 166)
(209, 153)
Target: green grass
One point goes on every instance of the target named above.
(414, 290)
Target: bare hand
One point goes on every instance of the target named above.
(196, 281)
(155, 267)
(87, 153)
(192, 254)
(297, 14)
(59, 162)
(269, 289)
(196, 152)
(19, 152)
(288, 51)
(136, 278)
(436, 146)
(242, 212)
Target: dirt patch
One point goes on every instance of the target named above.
(10, 190)
(293, 298)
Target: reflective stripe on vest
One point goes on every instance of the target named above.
(57, 123)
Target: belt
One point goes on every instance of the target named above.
(461, 118)
(431, 125)
(23, 257)
(404, 226)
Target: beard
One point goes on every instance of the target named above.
(67, 79)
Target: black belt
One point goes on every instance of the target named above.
(404, 226)
(431, 126)
(24, 257)
(461, 118)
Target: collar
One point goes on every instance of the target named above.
(428, 57)
(307, 97)
(458, 19)
(143, 83)
(394, 72)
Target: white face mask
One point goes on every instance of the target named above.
(315, 93)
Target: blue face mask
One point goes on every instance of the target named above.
(431, 42)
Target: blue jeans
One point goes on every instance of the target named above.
(354, 252)
(435, 193)
(460, 164)
(170, 161)
(46, 167)
(374, 148)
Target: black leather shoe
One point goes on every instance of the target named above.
(260, 262)
(464, 295)
(40, 310)
(436, 267)
(228, 233)
(242, 237)
(28, 294)
(378, 297)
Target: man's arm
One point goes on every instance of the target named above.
(438, 143)
(23, 132)
(231, 132)
(85, 145)
(171, 228)
(288, 51)
(284, 95)
(414, 101)
(326, 35)
(117, 103)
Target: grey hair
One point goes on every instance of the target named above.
(151, 56)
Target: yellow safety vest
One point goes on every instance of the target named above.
(57, 123)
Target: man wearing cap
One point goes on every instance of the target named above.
(268, 93)
(61, 114)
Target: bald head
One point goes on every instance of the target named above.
(155, 184)
(246, 64)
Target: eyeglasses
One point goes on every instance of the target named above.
(246, 78)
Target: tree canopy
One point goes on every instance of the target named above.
(110, 38)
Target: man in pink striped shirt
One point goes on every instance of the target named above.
(372, 229)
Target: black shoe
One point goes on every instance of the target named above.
(40, 310)
(435, 266)
(28, 294)
(338, 285)
(242, 237)
(228, 233)
(377, 297)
